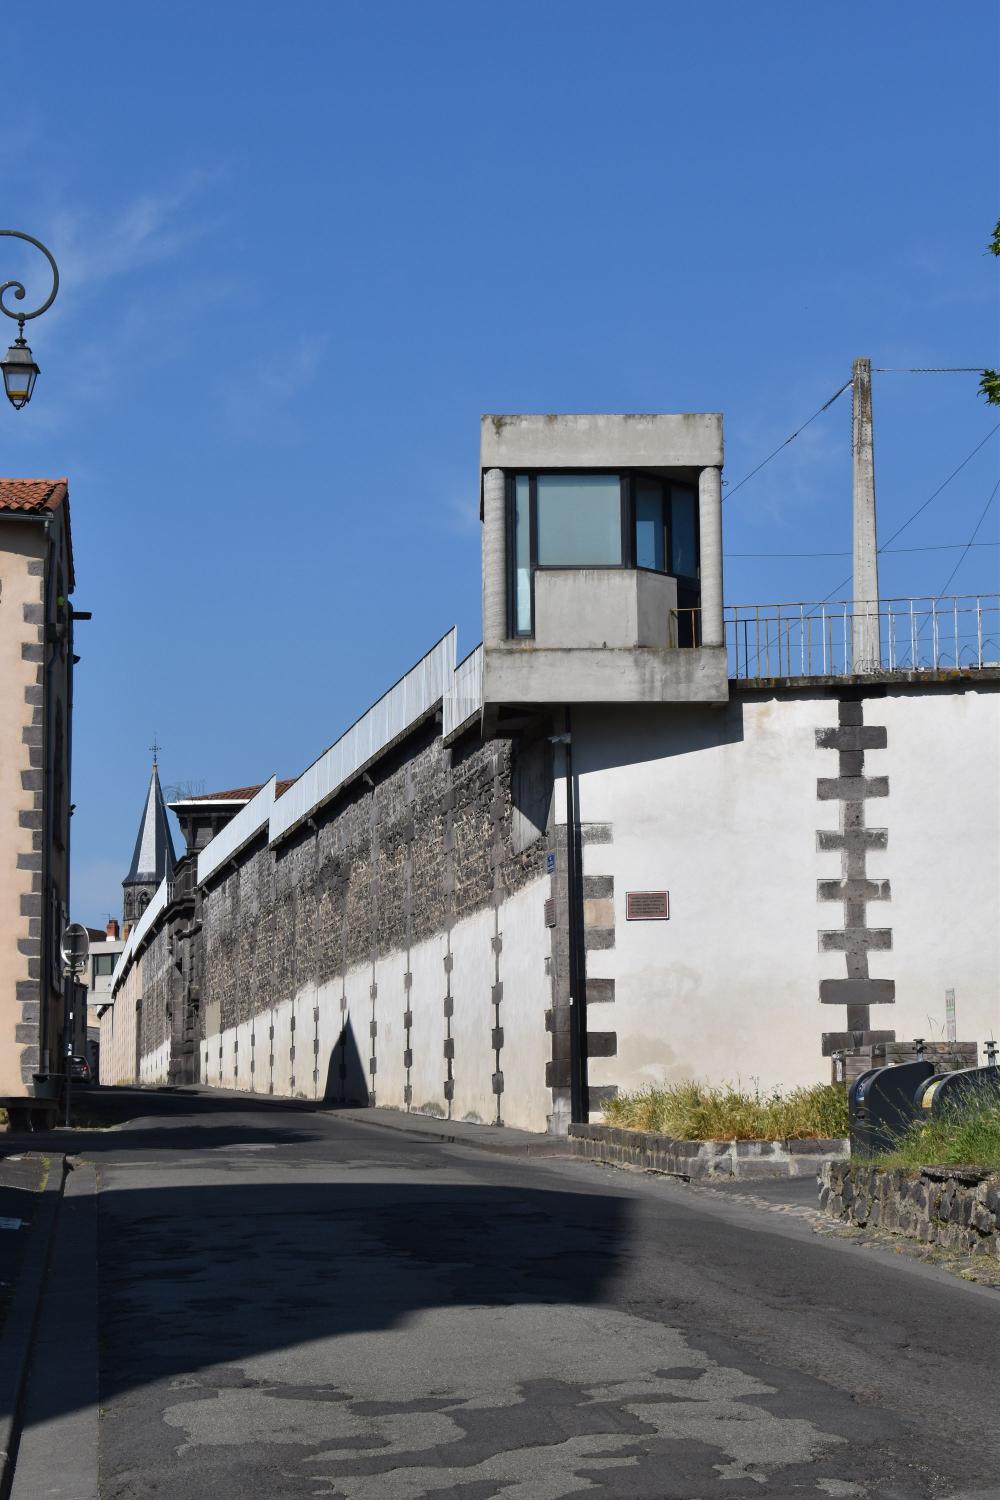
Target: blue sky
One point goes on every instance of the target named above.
(304, 246)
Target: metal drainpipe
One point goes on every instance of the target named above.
(579, 1104)
(71, 998)
(45, 949)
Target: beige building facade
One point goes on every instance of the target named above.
(36, 674)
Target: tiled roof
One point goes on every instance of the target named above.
(242, 793)
(32, 495)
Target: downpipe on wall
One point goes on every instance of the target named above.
(579, 1102)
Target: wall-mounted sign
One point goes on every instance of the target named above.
(550, 863)
(647, 906)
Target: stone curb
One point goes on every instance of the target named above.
(57, 1455)
(693, 1160)
(495, 1139)
(19, 1329)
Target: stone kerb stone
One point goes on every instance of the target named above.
(694, 1159)
(956, 1208)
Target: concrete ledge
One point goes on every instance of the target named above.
(694, 1159)
(956, 1208)
(516, 673)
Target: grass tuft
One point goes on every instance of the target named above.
(965, 1135)
(700, 1112)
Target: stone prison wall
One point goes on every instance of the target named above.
(362, 958)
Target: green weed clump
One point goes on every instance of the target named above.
(965, 1135)
(700, 1112)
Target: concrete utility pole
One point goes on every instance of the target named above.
(865, 640)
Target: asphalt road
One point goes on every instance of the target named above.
(298, 1304)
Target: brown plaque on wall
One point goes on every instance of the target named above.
(647, 906)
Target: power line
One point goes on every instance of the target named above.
(920, 508)
(936, 547)
(972, 539)
(731, 492)
(940, 487)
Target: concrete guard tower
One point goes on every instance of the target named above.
(602, 560)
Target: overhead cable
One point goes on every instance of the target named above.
(920, 508)
(935, 547)
(747, 477)
(972, 540)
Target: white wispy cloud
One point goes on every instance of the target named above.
(260, 404)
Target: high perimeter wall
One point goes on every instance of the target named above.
(832, 857)
(829, 853)
(363, 958)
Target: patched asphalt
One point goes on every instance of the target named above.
(296, 1304)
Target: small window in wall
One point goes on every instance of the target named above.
(104, 964)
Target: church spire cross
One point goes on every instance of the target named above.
(155, 749)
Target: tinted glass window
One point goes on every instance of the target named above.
(683, 535)
(522, 556)
(649, 541)
(579, 520)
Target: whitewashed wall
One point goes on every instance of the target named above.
(719, 807)
(319, 1018)
(117, 1063)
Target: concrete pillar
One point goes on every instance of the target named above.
(710, 525)
(866, 647)
(494, 558)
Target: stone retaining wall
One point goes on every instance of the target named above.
(694, 1159)
(957, 1208)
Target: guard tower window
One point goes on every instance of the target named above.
(601, 520)
(579, 520)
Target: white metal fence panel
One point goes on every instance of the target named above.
(396, 711)
(250, 819)
(464, 699)
(159, 902)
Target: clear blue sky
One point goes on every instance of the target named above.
(305, 246)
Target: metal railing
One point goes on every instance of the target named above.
(831, 639)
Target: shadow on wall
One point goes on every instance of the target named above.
(634, 736)
(346, 1078)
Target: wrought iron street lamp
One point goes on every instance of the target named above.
(18, 365)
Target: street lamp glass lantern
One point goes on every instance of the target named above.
(19, 374)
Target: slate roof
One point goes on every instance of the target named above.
(154, 858)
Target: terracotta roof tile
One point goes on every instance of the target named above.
(32, 495)
(243, 793)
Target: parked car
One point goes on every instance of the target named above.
(80, 1070)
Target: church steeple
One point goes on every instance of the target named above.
(153, 859)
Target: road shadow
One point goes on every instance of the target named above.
(189, 1120)
(197, 1277)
